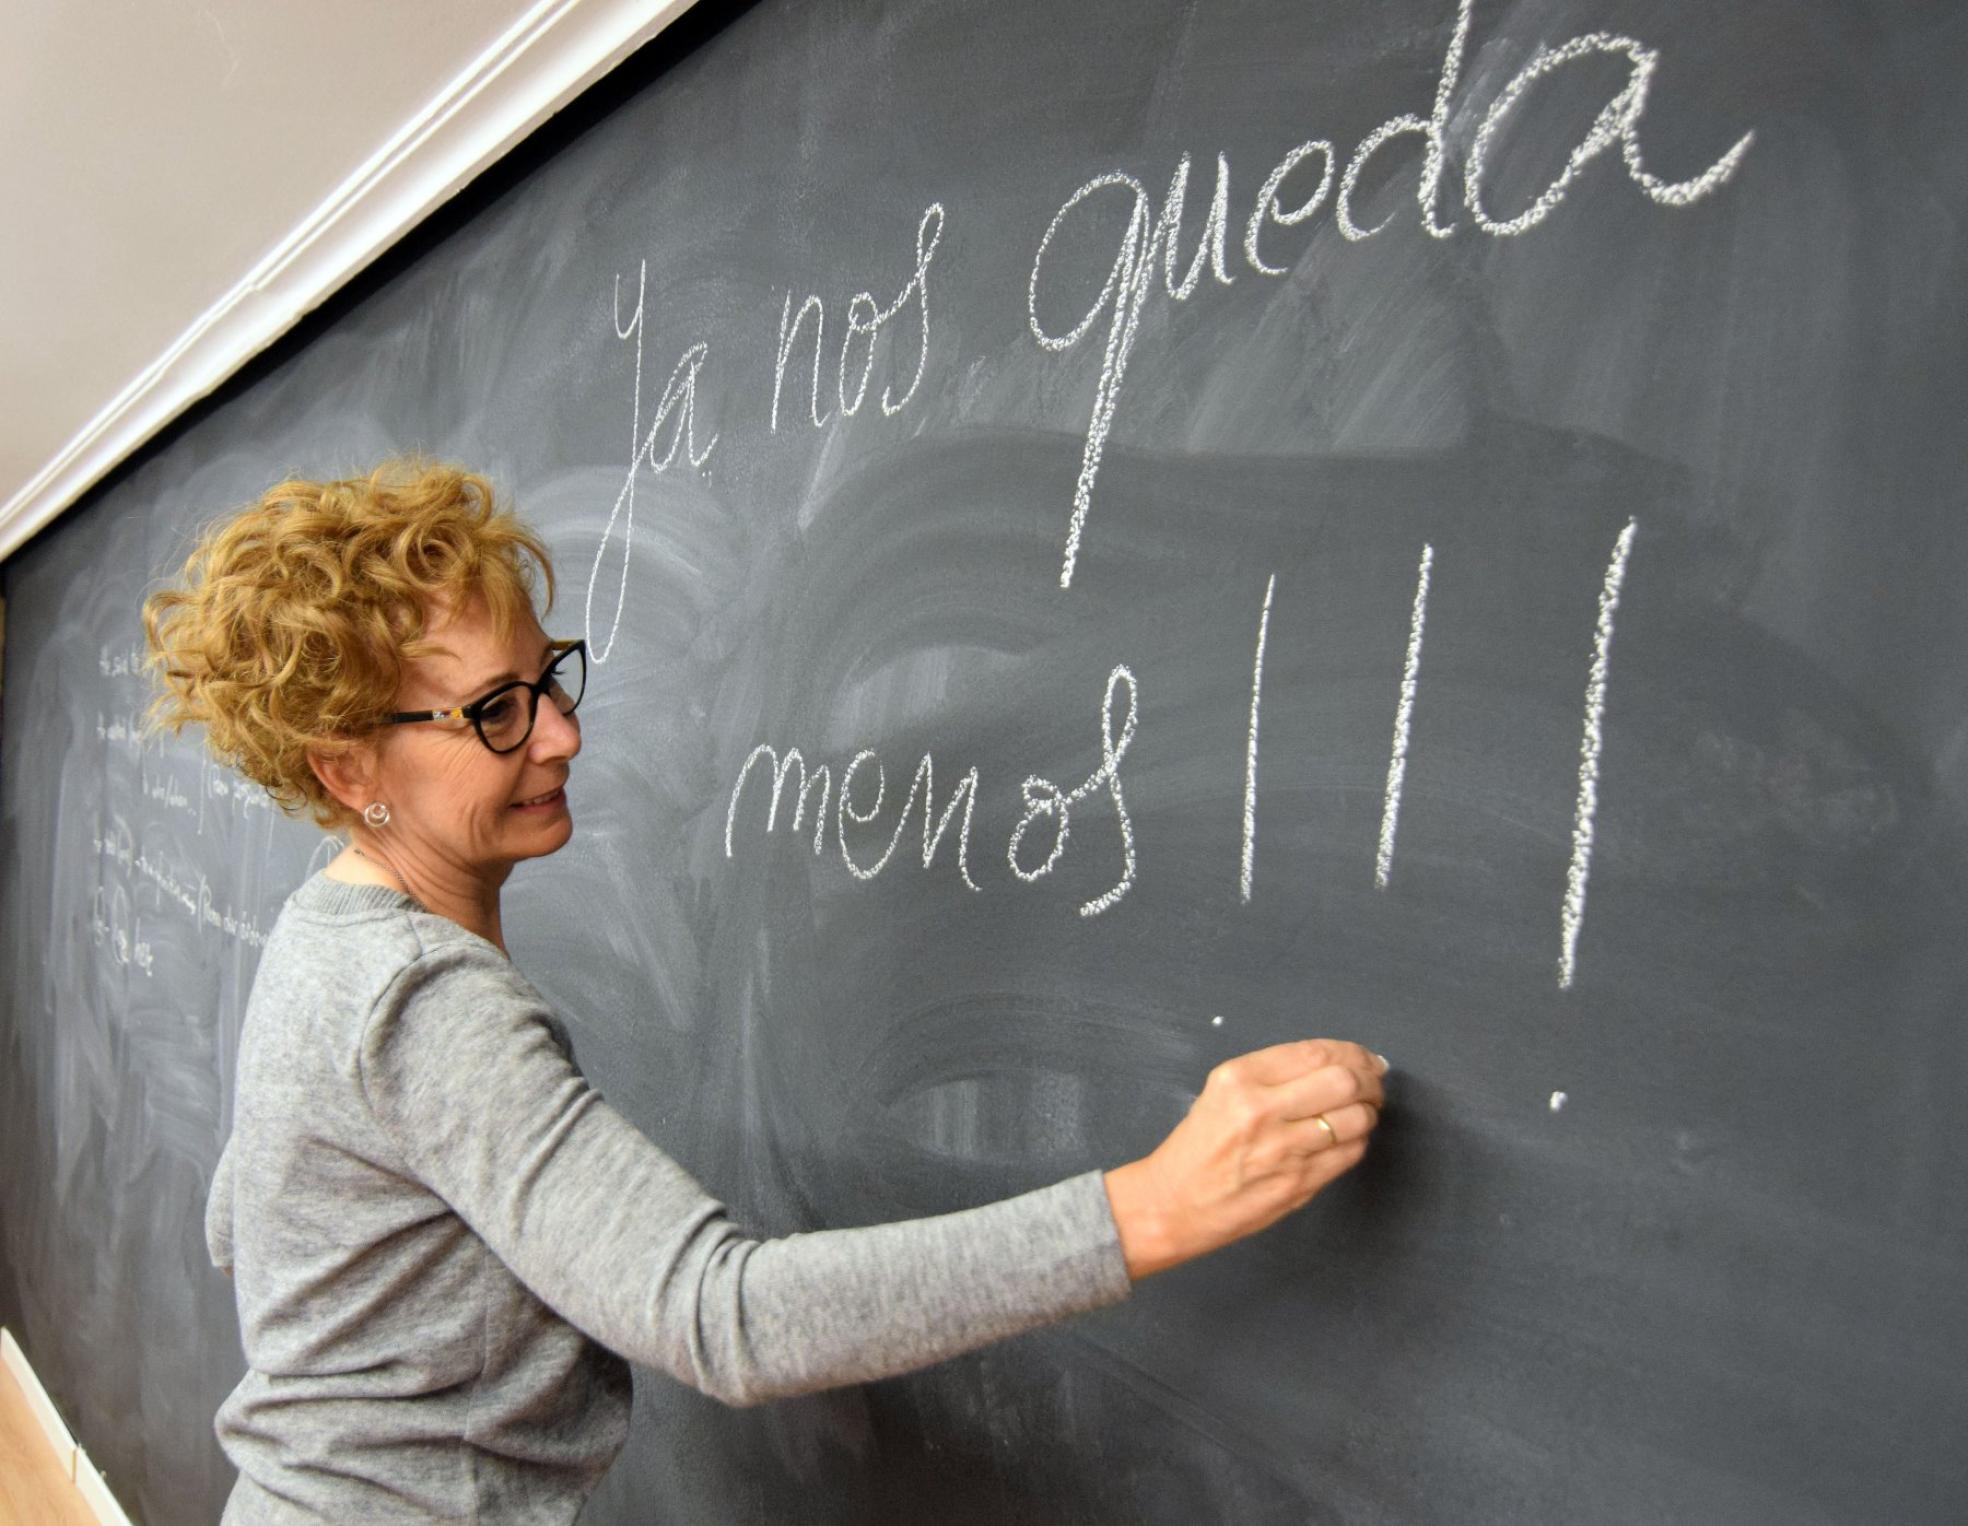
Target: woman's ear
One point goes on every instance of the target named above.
(348, 774)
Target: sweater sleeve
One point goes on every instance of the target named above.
(218, 1213)
(463, 1073)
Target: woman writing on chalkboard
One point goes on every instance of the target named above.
(444, 1243)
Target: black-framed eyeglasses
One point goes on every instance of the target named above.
(504, 718)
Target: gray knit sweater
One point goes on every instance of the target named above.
(444, 1243)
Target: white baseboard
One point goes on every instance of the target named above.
(74, 1461)
(95, 1493)
(15, 1361)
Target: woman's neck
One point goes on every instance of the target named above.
(472, 903)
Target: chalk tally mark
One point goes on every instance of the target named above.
(1397, 762)
(1250, 751)
(1590, 745)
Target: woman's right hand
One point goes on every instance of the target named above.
(1252, 1149)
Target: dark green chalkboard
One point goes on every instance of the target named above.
(1581, 473)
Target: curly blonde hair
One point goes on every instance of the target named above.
(296, 616)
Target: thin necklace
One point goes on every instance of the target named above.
(380, 865)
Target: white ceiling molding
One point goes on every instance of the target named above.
(540, 63)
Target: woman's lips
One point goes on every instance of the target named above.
(545, 802)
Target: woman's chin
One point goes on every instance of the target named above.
(535, 839)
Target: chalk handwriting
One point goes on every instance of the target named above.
(1162, 247)
(1148, 235)
(116, 845)
(679, 401)
(925, 781)
(1044, 798)
(162, 788)
(187, 890)
(853, 811)
(822, 776)
(1129, 281)
(123, 730)
(1270, 209)
(1433, 152)
(866, 318)
(118, 932)
(1618, 122)
(125, 662)
(821, 779)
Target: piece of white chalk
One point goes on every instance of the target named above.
(1558, 1100)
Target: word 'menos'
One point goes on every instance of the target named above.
(1048, 808)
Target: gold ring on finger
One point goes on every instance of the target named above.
(1326, 1123)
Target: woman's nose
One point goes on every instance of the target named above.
(554, 735)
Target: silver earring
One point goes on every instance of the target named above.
(377, 814)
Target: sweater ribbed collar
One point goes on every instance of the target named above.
(319, 893)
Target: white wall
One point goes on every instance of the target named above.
(183, 179)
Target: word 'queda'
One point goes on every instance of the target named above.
(1149, 234)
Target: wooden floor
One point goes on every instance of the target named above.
(34, 1489)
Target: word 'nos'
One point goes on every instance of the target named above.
(1048, 808)
(1149, 235)
(866, 318)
